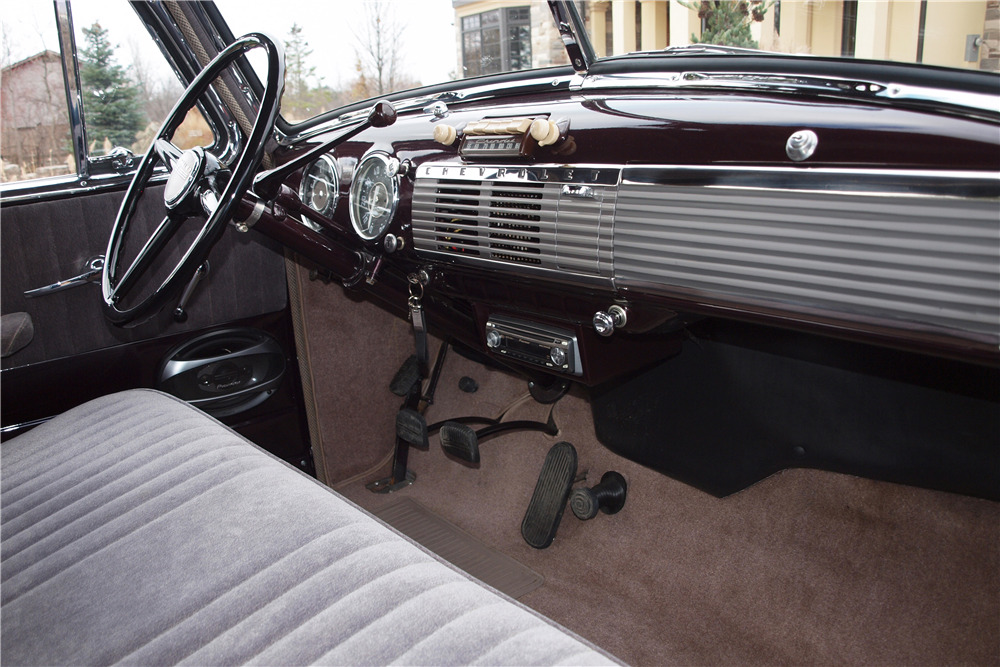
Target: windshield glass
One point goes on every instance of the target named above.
(346, 51)
(950, 33)
(342, 52)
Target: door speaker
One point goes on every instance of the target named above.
(224, 372)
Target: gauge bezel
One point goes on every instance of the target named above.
(386, 161)
(332, 163)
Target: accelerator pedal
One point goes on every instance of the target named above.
(411, 427)
(548, 502)
(460, 441)
(406, 377)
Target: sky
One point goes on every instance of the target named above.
(428, 40)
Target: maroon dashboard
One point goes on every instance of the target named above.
(603, 222)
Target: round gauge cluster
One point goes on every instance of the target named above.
(374, 195)
(320, 185)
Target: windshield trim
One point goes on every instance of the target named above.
(981, 105)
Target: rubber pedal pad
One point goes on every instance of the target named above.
(406, 377)
(552, 490)
(411, 427)
(460, 441)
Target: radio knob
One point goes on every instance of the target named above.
(558, 356)
(493, 339)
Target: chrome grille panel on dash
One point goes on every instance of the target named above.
(537, 218)
(912, 247)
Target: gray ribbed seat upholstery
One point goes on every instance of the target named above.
(137, 530)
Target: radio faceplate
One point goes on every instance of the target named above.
(540, 345)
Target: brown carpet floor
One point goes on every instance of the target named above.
(806, 567)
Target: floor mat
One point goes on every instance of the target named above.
(459, 548)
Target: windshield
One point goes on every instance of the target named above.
(949, 33)
(346, 51)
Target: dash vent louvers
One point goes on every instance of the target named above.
(517, 222)
(515, 214)
(456, 209)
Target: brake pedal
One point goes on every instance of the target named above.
(548, 502)
(411, 427)
(460, 441)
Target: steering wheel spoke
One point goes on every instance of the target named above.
(167, 152)
(155, 245)
(198, 184)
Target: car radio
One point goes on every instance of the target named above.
(536, 344)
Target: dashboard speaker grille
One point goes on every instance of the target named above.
(513, 221)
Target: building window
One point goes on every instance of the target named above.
(496, 41)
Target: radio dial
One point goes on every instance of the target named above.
(558, 356)
(493, 339)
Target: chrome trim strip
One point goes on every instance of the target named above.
(861, 182)
(981, 103)
(587, 173)
(59, 187)
(13, 428)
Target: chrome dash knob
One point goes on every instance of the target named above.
(801, 145)
(605, 322)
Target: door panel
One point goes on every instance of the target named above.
(43, 242)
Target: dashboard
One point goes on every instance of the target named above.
(578, 234)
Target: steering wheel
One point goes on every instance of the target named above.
(192, 189)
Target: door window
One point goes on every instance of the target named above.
(35, 140)
(126, 88)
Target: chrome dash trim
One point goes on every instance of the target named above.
(983, 104)
(904, 247)
(861, 182)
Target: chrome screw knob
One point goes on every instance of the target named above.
(801, 145)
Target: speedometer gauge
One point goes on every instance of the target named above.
(374, 195)
(320, 186)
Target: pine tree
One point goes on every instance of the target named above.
(112, 102)
(298, 100)
(727, 22)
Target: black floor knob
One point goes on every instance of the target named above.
(608, 496)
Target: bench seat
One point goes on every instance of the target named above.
(138, 530)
